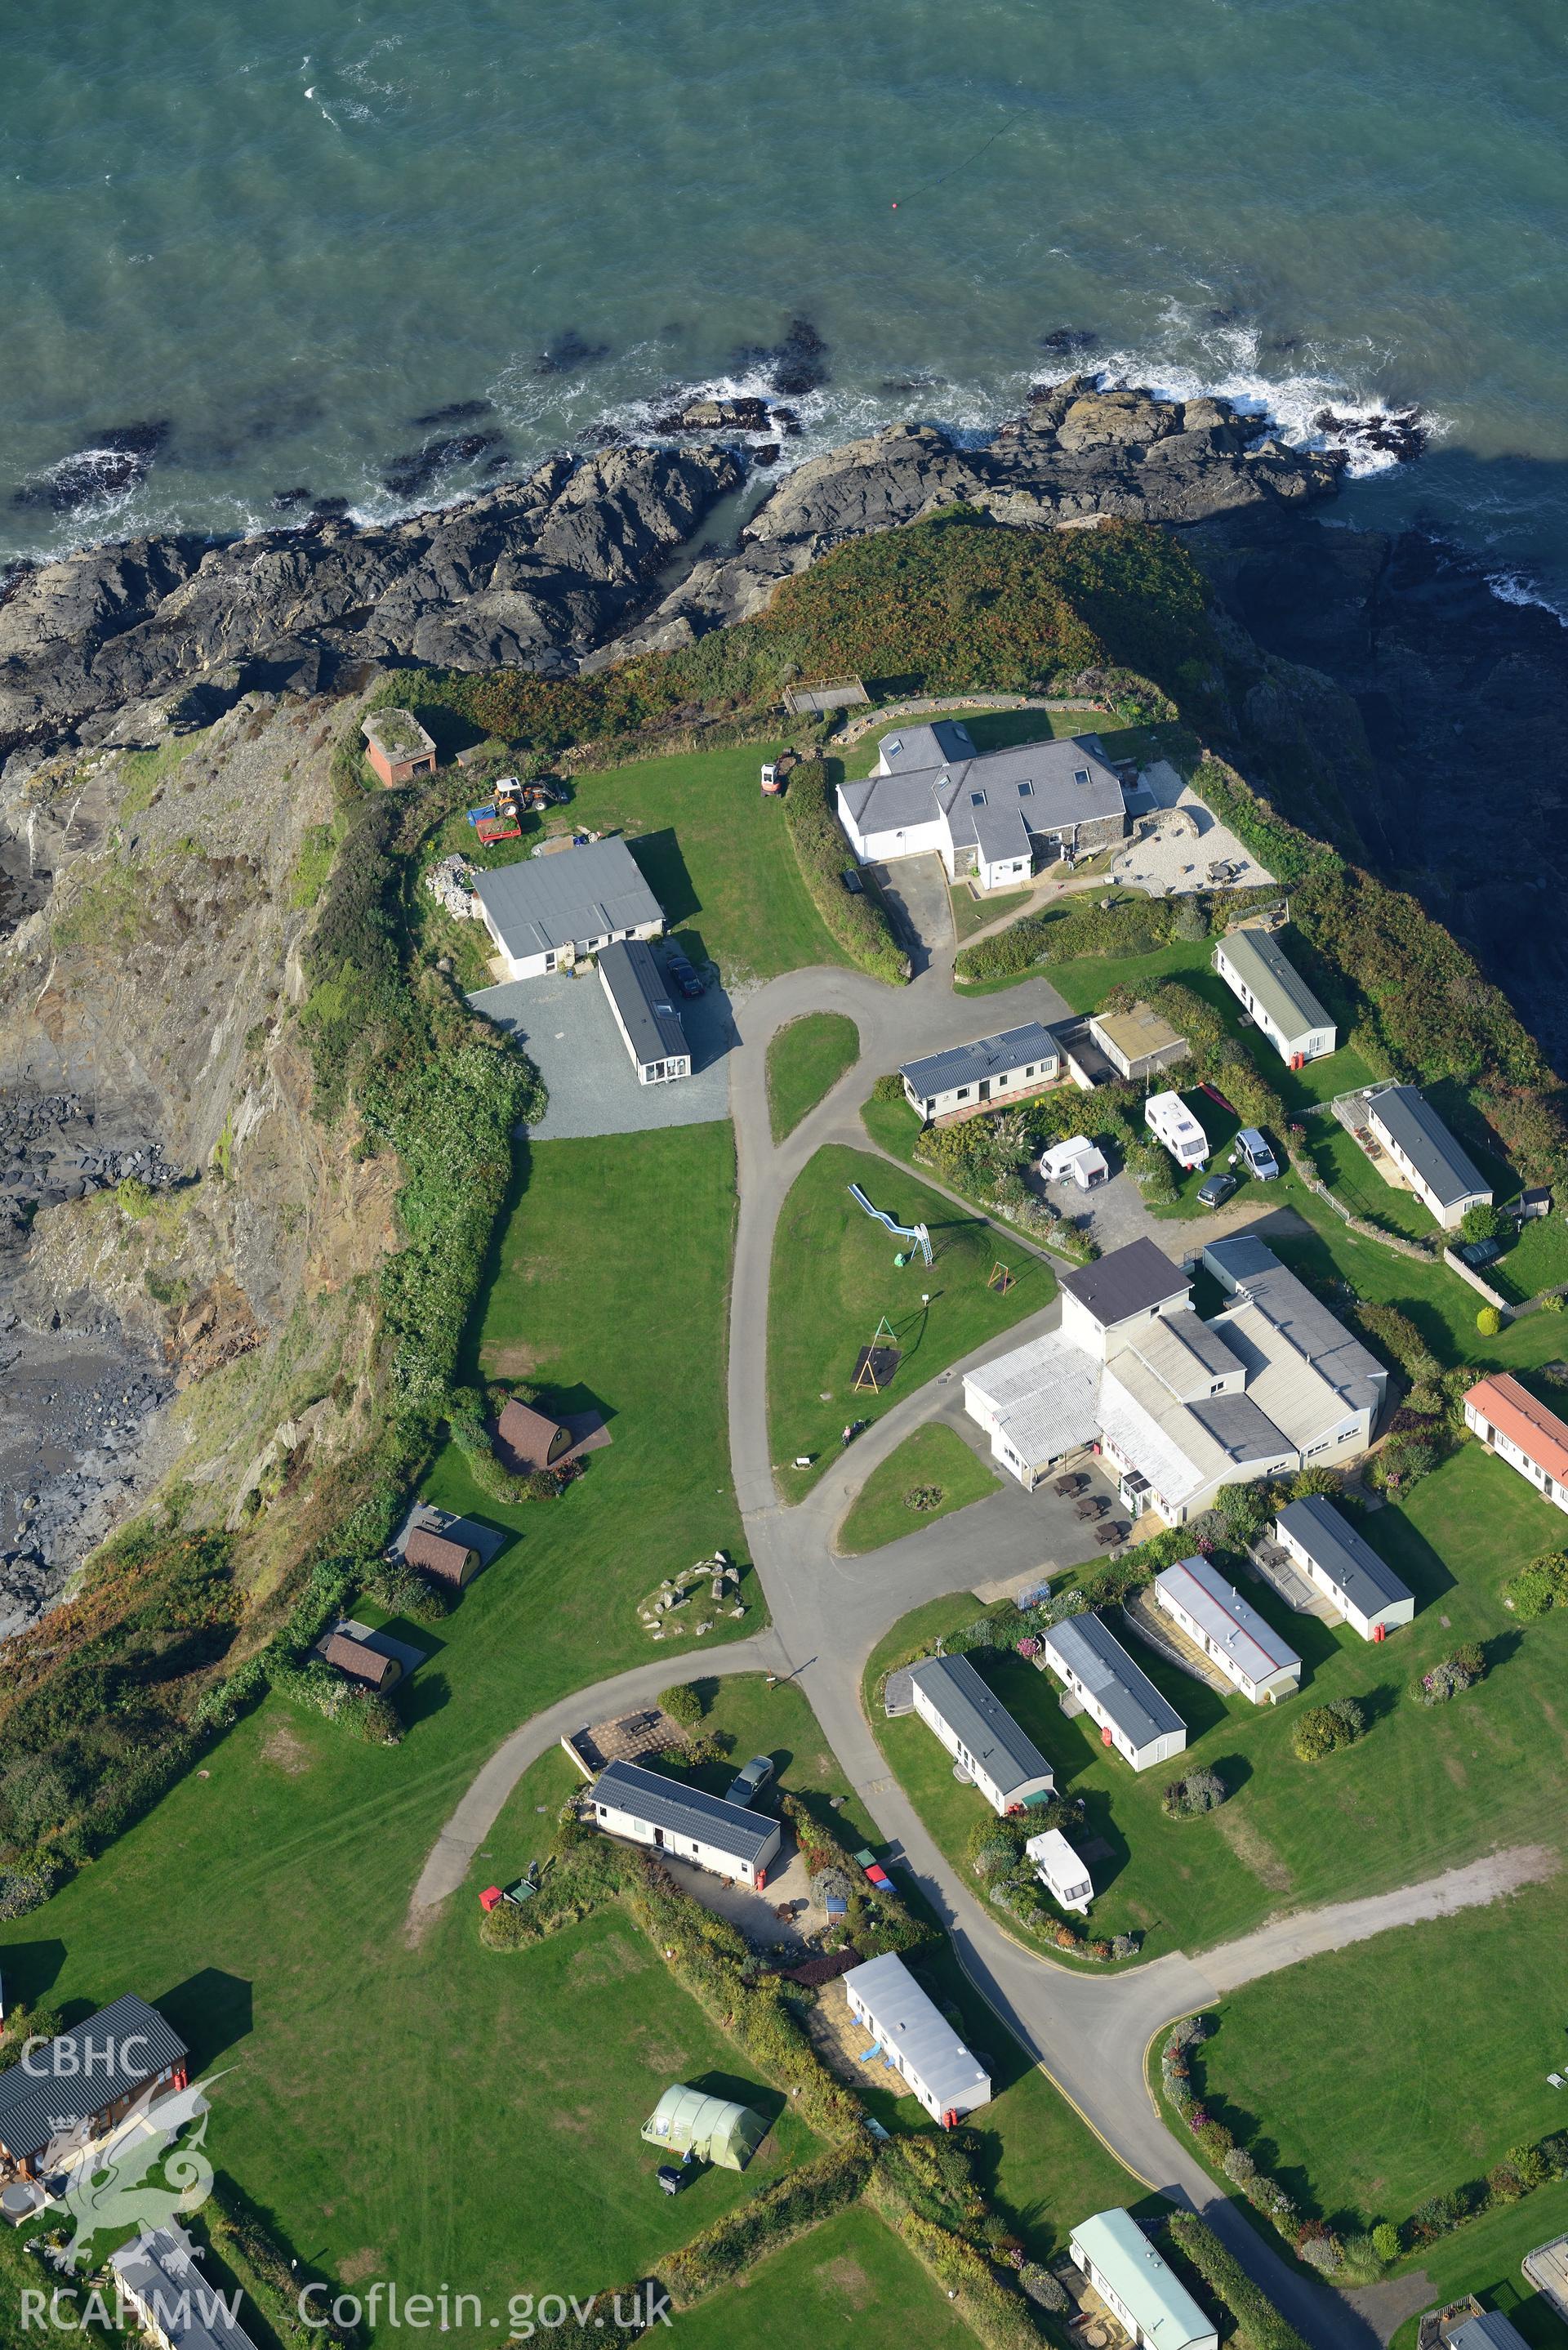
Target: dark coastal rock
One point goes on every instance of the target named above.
(456, 412)
(1400, 434)
(408, 475)
(568, 351)
(117, 459)
(768, 454)
(286, 501)
(1068, 342)
(530, 573)
(743, 415)
(328, 507)
(795, 366)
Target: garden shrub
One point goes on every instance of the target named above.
(1323, 1729)
(22, 1890)
(1046, 2291)
(1395, 1334)
(682, 1703)
(1483, 1222)
(1451, 1674)
(858, 921)
(1489, 1321)
(1385, 2241)
(402, 1590)
(1541, 1586)
(1202, 1790)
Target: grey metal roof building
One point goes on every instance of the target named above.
(988, 1056)
(543, 904)
(1122, 1688)
(83, 2071)
(1281, 994)
(1254, 1275)
(947, 2075)
(1346, 1556)
(1491, 2331)
(644, 1007)
(975, 1714)
(160, 2274)
(685, 1811)
(1198, 1588)
(1411, 1123)
(1131, 1280)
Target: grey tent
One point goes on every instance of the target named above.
(687, 2121)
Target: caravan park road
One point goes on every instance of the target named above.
(1089, 2032)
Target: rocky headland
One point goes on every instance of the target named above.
(151, 900)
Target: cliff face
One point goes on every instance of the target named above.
(189, 1276)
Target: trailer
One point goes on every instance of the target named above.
(1172, 1123)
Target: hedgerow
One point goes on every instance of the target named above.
(771, 2220)
(1259, 2325)
(858, 921)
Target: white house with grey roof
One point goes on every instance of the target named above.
(986, 814)
(992, 1071)
(1442, 1176)
(1095, 1669)
(647, 1808)
(1261, 977)
(1341, 1564)
(916, 2040)
(977, 1730)
(1139, 2285)
(643, 1007)
(1227, 1629)
(546, 913)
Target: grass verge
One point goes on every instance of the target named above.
(934, 1461)
(806, 1058)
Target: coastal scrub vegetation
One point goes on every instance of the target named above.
(858, 921)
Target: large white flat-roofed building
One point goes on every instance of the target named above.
(983, 814)
(915, 2036)
(1092, 1666)
(544, 913)
(1139, 2285)
(1261, 976)
(1507, 1419)
(977, 1730)
(644, 1012)
(992, 1071)
(1442, 1176)
(1036, 1404)
(1343, 1565)
(1228, 1630)
(645, 1807)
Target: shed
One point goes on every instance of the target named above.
(710, 2129)
(397, 747)
(456, 1563)
(1138, 1043)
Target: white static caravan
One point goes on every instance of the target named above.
(1227, 1629)
(1094, 1668)
(1064, 1876)
(645, 1807)
(1343, 1565)
(1266, 983)
(917, 2038)
(977, 1730)
(1172, 1123)
(1138, 2284)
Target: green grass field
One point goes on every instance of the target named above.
(805, 1060)
(717, 855)
(934, 1456)
(834, 1279)
(1484, 2259)
(1425, 1789)
(1538, 1260)
(972, 913)
(851, 2275)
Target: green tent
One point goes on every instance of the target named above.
(687, 2121)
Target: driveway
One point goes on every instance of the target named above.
(916, 888)
(567, 1026)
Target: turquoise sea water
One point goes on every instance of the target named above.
(288, 231)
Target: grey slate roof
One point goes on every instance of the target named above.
(1240, 1428)
(1248, 1270)
(976, 1716)
(1261, 964)
(910, 2022)
(1129, 1281)
(1232, 1622)
(1346, 1556)
(650, 1797)
(643, 998)
(45, 2097)
(158, 2272)
(1415, 1126)
(1106, 1671)
(578, 894)
(1038, 782)
(989, 1057)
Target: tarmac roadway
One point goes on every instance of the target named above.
(1089, 2033)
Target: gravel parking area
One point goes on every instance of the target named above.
(567, 1026)
(1172, 859)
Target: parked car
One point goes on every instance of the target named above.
(748, 1784)
(1256, 1156)
(1216, 1191)
(672, 2179)
(852, 881)
(683, 974)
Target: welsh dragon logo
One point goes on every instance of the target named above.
(138, 2176)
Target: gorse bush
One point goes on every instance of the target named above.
(1323, 1729)
(1541, 1586)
